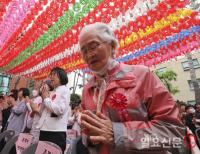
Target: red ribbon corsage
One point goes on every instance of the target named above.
(118, 101)
(53, 97)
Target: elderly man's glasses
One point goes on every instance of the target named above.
(93, 46)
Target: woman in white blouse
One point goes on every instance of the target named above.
(55, 109)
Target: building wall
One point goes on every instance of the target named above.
(18, 82)
(185, 94)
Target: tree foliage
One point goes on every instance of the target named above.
(75, 98)
(167, 77)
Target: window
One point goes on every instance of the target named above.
(191, 102)
(191, 85)
(4, 84)
(185, 64)
(162, 70)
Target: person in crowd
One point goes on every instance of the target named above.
(197, 123)
(36, 104)
(55, 109)
(197, 106)
(74, 132)
(1, 101)
(2, 125)
(189, 118)
(125, 106)
(12, 97)
(182, 113)
(1, 108)
(18, 112)
(75, 103)
(8, 105)
(37, 100)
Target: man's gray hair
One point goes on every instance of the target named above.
(103, 31)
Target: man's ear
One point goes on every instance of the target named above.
(112, 52)
(112, 45)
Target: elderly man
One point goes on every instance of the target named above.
(127, 108)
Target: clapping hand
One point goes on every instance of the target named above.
(44, 91)
(27, 99)
(34, 107)
(98, 127)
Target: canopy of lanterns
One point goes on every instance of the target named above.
(36, 35)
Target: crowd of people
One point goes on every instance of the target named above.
(44, 114)
(190, 116)
(123, 109)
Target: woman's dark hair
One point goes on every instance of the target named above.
(14, 94)
(25, 92)
(61, 75)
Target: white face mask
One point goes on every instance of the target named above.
(35, 93)
(111, 63)
(192, 110)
